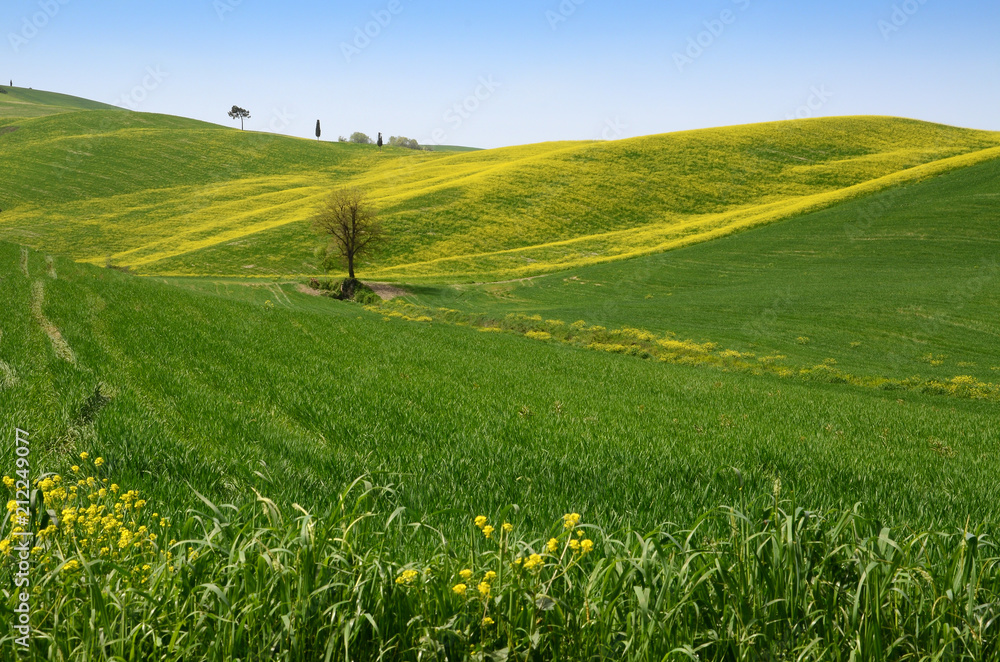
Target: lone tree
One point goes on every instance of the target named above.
(353, 230)
(360, 138)
(318, 132)
(241, 113)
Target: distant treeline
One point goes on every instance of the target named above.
(395, 141)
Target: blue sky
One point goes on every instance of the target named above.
(489, 73)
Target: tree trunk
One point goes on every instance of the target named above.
(350, 266)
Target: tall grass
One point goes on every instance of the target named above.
(765, 579)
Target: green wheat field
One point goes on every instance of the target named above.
(730, 394)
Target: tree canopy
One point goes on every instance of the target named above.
(240, 113)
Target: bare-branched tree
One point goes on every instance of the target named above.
(351, 224)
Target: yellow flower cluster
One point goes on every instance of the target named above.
(571, 520)
(90, 518)
(487, 529)
(407, 577)
(533, 562)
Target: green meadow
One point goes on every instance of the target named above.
(309, 473)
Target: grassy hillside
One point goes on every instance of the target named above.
(402, 486)
(899, 284)
(171, 196)
(19, 102)
(228, 387)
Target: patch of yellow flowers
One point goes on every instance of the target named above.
(88, 514)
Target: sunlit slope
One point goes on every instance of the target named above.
(23, 103)
(899, 284)
(166, 195)
(531, 209)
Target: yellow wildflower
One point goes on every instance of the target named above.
(71, 565)
(490, 576)
(459, 589)
(480, 521)
(487, 622)
(587, 545)
(407, 577)
(488, 530)
(75, 468)
(533, 562)
(9, 482)
(466, 574)
(99, 461)
(571, 520)
(84, 455)
(574, 545)
(552, 545)
(508, 527)
(484, 589)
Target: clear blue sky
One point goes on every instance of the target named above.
(553, 69)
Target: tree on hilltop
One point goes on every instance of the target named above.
(241, 113)
(318, 132)
(352, 228)
(360, 138)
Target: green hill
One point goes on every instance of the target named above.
(171, 196)
(227, 387)
(782, 442)
(901, 283)
(20, 102)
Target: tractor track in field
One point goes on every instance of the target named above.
(59, 344)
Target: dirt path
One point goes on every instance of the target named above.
(386, 290)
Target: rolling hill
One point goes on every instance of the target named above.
(253, 471)
(900, 283)
(170, 196)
